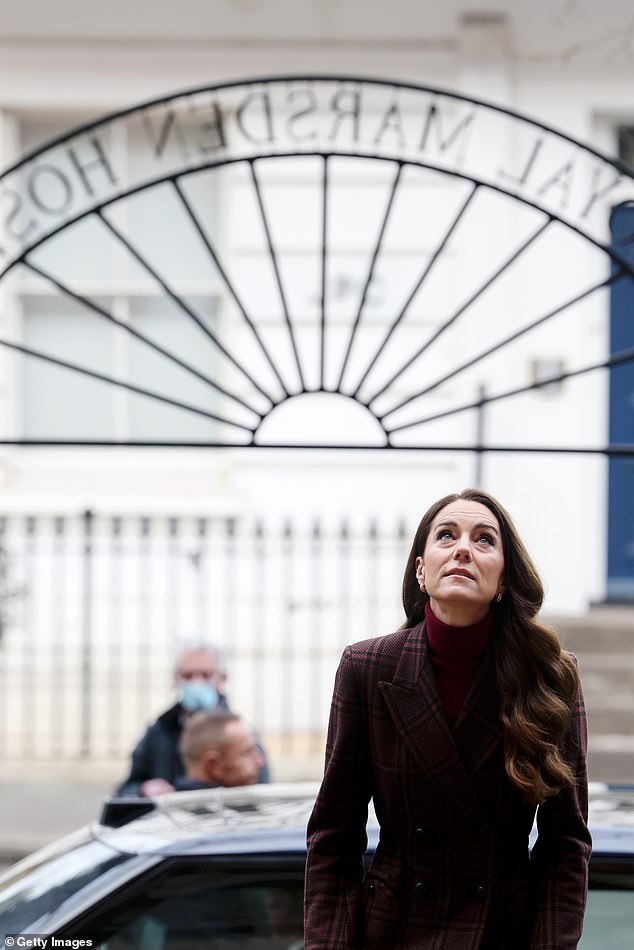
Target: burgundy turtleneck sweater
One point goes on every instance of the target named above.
(455, 654)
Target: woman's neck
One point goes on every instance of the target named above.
(458, 615)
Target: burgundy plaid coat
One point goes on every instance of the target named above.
(452, 868)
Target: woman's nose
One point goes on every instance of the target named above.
(463, 551)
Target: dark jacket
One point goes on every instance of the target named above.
(156, 754)
(452, 869)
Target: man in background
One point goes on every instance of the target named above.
(199, 678)
(218, 749)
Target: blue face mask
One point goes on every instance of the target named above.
(194, 695)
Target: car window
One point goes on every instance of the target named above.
(609, 920)
(203, 905)
(34, 892)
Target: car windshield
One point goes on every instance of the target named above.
(35, 888)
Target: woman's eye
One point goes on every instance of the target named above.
(443, 534)
(486, 538)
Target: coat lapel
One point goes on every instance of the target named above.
(478, 731)
(415, 707)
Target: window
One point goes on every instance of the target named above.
(204, 905)
(625, 137)
(609, 921)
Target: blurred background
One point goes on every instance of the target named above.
(408, 260)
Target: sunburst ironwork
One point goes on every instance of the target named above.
(378, 356)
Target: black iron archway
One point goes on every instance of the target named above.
(389, 258)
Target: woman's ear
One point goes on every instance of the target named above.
(420, 568)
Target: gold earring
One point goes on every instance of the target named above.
(422, 584)
(499, 597)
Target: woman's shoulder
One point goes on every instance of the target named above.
(378, 651)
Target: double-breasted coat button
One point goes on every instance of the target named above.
(421, 889)
(419, 834)
(480, 892)
(370, 888)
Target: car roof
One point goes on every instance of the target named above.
(272, 818)
(219, 820)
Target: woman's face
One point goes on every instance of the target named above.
(463, 562)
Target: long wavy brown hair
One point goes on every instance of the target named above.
(537, 681)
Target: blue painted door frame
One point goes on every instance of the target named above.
(620, 580)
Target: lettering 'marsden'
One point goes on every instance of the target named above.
(322, 116)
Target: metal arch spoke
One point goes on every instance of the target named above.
(463, 308)
(102, 312)
(278, 277)
(368, 280)
(228, 282)
(617, 359)
(113, 381)
(438, 251)
(324, 269)
(178, 300)
(468, 364)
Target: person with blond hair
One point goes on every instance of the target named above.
(218, 749)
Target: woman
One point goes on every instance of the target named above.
(460, 726)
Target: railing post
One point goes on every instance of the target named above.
(315, 602)
(85, 683)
